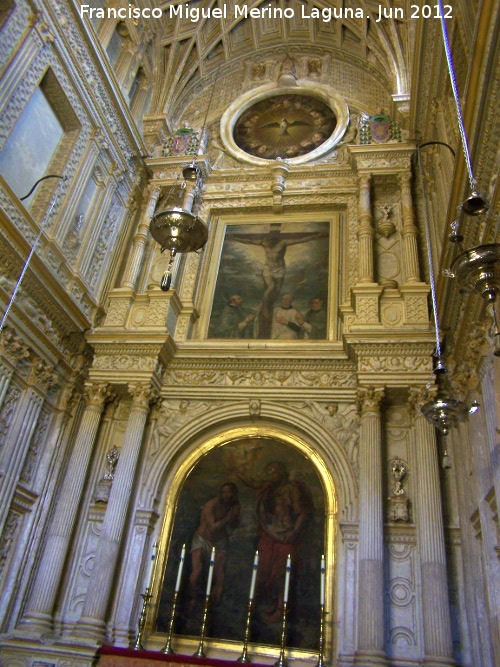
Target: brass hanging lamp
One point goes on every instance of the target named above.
(178, 228)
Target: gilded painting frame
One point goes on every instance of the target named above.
(165, 572)
(257, 263)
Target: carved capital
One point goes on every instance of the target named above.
(142, 395)
(42, 375)
(369, 399)
(404, 178)
(364, 180)
(98, 394)
(12, 346)
(417, 397)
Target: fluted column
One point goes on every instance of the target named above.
(365, 231)
(92, 623)
(140, 240)
(429, 519)
(38, 615)
(371, 637)
(19, 437)
(409, 231)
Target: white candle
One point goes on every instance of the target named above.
(322, 593)
(179, 571)
(287, 578)
(151, 565)
(210, 571)
(254, 574)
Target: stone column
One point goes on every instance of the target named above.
(409, 231)
(19, 436)
(429, 520)
(92, 623)
(140, 240)
(365, 230)
(38, 615)
(371, 637)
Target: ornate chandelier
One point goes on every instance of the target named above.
(177, 228)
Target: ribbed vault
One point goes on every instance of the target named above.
(193, 53)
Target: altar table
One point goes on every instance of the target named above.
(114, 656)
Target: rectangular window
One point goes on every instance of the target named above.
(40, 139)
(29, 149)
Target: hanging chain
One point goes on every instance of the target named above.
(28, 259)
(429, 255)
(461, 126)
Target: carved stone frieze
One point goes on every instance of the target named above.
(398, 358)
(270, 374)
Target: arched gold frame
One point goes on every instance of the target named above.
(220, 647)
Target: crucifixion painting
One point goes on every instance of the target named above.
(272, 282)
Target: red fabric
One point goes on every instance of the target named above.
(131, 658)
(272, 560)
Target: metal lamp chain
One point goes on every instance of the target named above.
(429, 255)
(461, 126)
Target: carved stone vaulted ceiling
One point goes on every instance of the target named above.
(197, 53)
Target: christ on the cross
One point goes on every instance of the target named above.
(274, 271)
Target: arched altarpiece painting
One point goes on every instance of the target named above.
(229, 457)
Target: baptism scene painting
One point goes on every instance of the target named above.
(253, 494)
(272, 282)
